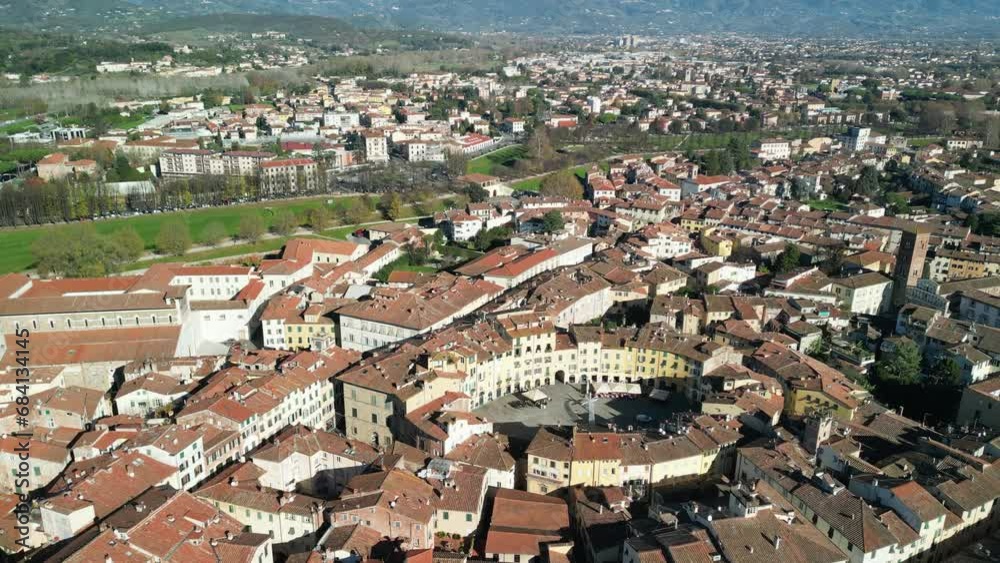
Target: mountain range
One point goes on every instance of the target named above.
(826, 18)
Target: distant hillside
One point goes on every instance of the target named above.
(829, 18)
(321, 29)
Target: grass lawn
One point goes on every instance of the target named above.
(15, 243)
(503, 157)
(260, 247)
(919, 143)
(460, 252)
(529, 185)
(10, 113)
(403, 264)
(341, 233)
(826, 205)
(18, 127)
(114, 120)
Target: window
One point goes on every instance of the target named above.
(444, 515)
(468, 518)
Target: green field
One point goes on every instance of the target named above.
(259, 247)
(341, 233)
(15, 244)
(18, 127)
(460, 252)
(114, 120)
(404, 264)
(506, 156)
(535, 184)
(825, 205)
(529, 185)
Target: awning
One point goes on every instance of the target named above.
(659, 394)
(536, 396)
(618, 389)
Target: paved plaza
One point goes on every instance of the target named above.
(515, 416)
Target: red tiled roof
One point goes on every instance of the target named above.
(90, 346)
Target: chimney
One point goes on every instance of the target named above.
(229, 535)
(777, 541)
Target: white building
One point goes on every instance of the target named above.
(775, 149)
(376, 147)
(864, 294)
(177, 447)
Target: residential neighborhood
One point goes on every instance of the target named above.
(640, 299)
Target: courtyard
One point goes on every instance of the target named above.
(519, 418)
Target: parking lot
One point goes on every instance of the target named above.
(519, 418)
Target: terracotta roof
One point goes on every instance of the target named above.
(99, 345)
(485, 450)
(302, 440)
(522, 522)
(183, 529)
(113, 480)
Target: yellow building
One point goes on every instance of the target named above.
(556, 458)
(597, 459)
(300, 336)
(715, 244)
(810, 384)
(692, 223)
(548, 462)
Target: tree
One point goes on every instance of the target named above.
(284, 222)
(833, 261)
(984, 223)
(78, 251)
(867, 183)
(355, 211)
(211, 98)
(562, 184)
(899, 204)
(553, 222)
(476, 193)
(251, 227)
(213, 233)
(937, 118)
(788, 260)
(946, 371)
(174, 238)
(128, 244)
(486, 239)
(901, 368)
(712, 164)
(540, 146)
(457, 164)
(318, 218)
(418, 254)
(726, 164)
(391, 206)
